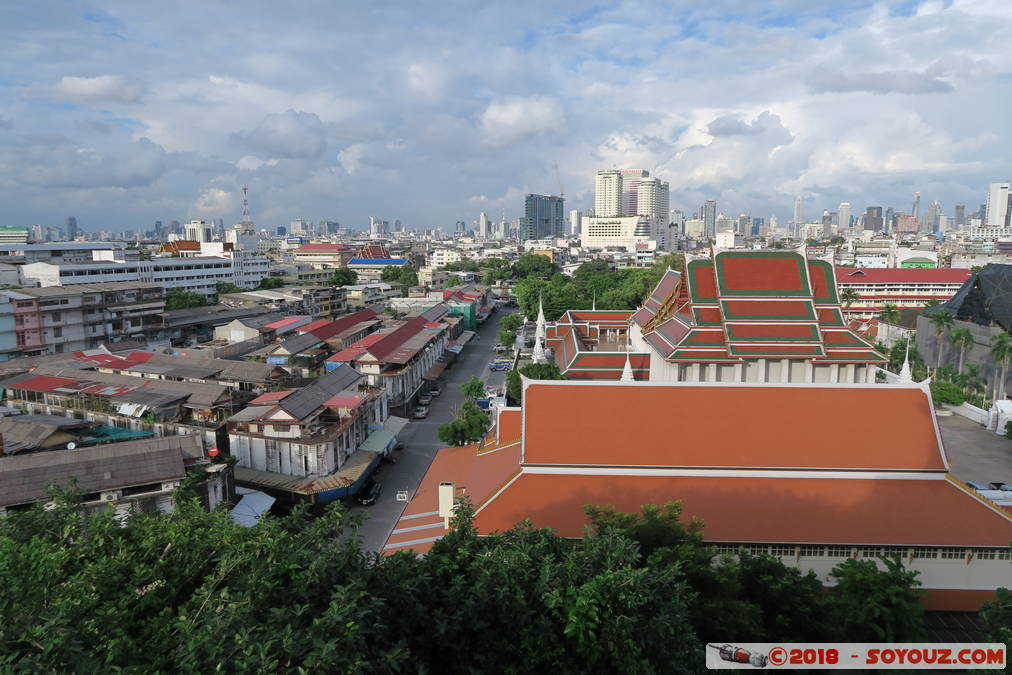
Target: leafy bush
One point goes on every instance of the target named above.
(946, 392)
(1008, 430)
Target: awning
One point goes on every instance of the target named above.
(434, 372)
(465, 337)
(395, 424)
(253, 505)
(379, 441)
(456, 349)
(131, 409)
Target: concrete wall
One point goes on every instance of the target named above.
(980, 353)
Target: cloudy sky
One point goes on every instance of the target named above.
(123, 113)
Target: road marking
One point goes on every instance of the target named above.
(404, 544)
(420, 515)
(413, 528)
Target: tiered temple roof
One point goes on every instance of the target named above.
(750, 305)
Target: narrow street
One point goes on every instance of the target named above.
(419, 437)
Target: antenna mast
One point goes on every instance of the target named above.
(245, 206)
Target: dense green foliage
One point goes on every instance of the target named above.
(469, 427)
(508, 328)
(400, 274)
(222, 287)
(267, 283)
(997, 616)
(533, 265)
(593, 284)
(178, 298)
(461, 266)
(532, 371)
(946, 392)
(344, 277)
(192, 592)
(473, 388)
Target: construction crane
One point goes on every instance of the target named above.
(562, 190)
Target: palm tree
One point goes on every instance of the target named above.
(889, 314)
(962, 339)
(849, 297)
(942, 321)
(1001, 350)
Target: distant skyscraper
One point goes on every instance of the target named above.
(376, 228)
(960, 215)
(544, 217)
(889, 221)
(281, 230)
(630, 191)
(199, 231)
(827, 223)
(575, 220)
(608, 193)
(483, 225)
(710, 218)
(915, 211)
(873, 218)
(71, 227)
(930, 222)
(844, 217)
(797, 210)
(997, 208)
(397, 226)
(652, 199)
(460, 227)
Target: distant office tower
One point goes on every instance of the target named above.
(930, 222)
(797, 210)
(743, 224)
(460, 227)
(873, 218)
(544, 217)
(844, 211)
(199, 231)
(915, 211)
(827, 224)
(630, 191)
(300, 226)
(483, 225)
(376, 228)
(889, 221)
(960, 215)
(710, 218)
(997, 208)
(608, 193)
(71, 227)
(905, 223)
(397, 226)
(652, 199)
(281, 230)
(758, 226)
(575, 219)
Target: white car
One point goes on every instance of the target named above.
(421, 412)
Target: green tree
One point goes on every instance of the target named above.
(221, 288)
(514, 388)
(962, 339)
(473, 388)
(470, 426)
(942, 321)
(849, 296)
(946, 392)
(511, 322)
(179, 298)
(533, 265)
(876, 605)
(542, 371)
(267, 283)
(889, 314)
(997, 618)
(344, 277)
(1001, 350)
(898, 352)
(507, 338)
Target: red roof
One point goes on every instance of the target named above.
(310, 327)
(788, 427)
(898, 275)
(287, 321)
(44, 383)
(353, 351)
(336, 326)
(391, 341)
(271, 397)
(339, 401)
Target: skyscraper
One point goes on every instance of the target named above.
(483, 225)
(844, 211)
(652, 197)
(889, 222)
(608, 193)
(71, 227)
(460, 227)
(797, 210)
(915, 211)
(998, 210)
(710, 218)
(873, 218)
(544, 216)
(960, 215)
(630, 191)
(575, 219)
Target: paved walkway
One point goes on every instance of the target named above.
(419, 437)
(974, 452)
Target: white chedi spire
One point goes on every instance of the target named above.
(539, 351)
(540, 331)
(627, 373)
(905, 374)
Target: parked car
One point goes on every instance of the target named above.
(424, 399)
(499, 365)
(369, 493)
(421, 412)
(436, 390)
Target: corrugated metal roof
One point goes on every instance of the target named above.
(303, 402)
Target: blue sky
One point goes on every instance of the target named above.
(124, 113)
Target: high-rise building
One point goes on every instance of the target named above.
(397, 226)
(575, 219)
(930, 222)
(199, 231)
(827, 223)
(873, 218)
(889, 222)
(545, 217)
(960, 215)
(652, 199)
(844, 217)
(71, 227)
(483, 225)
(797, 210)
(376, 228)
(608, 193)
(710, 218)
(915, 211)
(630, 191)
(460, 227)
(281, 230)
(997, 208)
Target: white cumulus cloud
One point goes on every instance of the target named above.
(507, 121)
(115, 88)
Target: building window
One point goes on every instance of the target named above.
(925, 552)
(782, 551)
(57, 332)
(953, 553)
(838, 551)
(984, 553)
(1005, 554)
(812, 551)
(871, 552)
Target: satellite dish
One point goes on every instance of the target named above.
(71, 445)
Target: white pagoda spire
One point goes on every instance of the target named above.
(905, 374)
(540, 331)
(627, 373)
(593, 306)
(539, 351)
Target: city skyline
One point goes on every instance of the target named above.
(127, 114)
